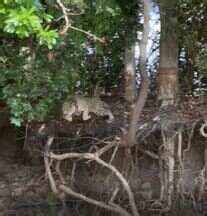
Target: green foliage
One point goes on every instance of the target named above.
(192, 33)
(117, 23)
(30, 83)
(25, 18)
(32, 88)
(47, 37)
(192, 17)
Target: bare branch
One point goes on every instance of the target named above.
(68, 24)
(114, 153)
(149, 153)
(94, 37)
(103, 163)
(106, 148)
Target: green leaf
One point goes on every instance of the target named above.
(16, 121)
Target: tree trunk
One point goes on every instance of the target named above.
(167, 77)
(140, 102)
(167, 91)
(130, 74)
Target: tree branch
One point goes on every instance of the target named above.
(68, 25)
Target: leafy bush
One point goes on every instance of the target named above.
(26, 18)
(30, 83)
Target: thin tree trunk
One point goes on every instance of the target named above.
(130, 74)
(140, 102)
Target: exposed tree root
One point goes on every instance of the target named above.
(171, 159)
(57, 189)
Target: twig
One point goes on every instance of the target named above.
(94, 37)
(149, 153)
(106, 148)
(114, 195)
(69, 14)
(114, 153)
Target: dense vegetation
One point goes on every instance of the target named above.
(52, 49)
(39, 66)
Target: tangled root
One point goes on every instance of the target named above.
(202, 129)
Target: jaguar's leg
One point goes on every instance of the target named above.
(69, 118)
(110, 117)
(69, 115)
(86, 115)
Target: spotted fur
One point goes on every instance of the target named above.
(85, 105)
